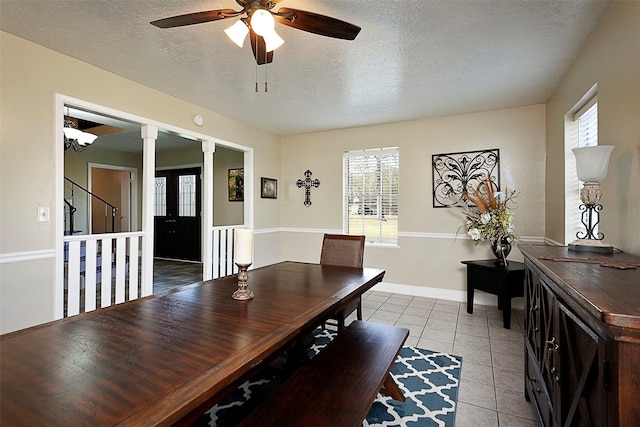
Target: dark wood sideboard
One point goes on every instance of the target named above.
(582, 338)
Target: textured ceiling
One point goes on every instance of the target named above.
(412, 59)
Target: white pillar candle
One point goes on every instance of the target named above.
(243, 246)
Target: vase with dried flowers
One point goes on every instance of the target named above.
(490, 218)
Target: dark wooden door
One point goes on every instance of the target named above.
(177, 214)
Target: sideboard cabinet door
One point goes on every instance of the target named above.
(566, 360)
(537, 328)
(581, 364)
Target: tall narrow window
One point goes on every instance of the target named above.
(187, 195)
(371, 194)
(581, 131)
(160, 196)
(588, 124)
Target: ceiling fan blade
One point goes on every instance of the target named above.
(317, 24)
(259, 48)
(195, 18)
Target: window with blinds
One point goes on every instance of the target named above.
(371, 194)
(588, 124)
(582, 131)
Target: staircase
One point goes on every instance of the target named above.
(70, 209)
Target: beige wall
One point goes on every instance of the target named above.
(224, 211)
(428, 254)
(612, 60)
(30, 76)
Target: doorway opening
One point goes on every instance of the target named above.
(114, 209)
(129, 151)
(177, 214)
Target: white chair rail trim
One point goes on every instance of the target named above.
(27, 256)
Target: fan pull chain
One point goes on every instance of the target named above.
(256, 77)
(266, 80)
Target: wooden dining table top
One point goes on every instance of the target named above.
(155, 360)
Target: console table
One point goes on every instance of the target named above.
(582, 337)
(504, 281)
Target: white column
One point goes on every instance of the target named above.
(248, 188)
(208, 148)
(149, 135)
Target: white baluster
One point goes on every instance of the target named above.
(90, 276)
(105, 274)
(133, 267)
(73, 285)
(121, 265)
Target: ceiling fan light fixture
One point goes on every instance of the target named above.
(238, 32)
(272, 40)
(75, 138)
(262, 22)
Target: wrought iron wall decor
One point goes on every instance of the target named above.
(455, 173)
(307, 183)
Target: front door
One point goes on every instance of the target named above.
(177, 214)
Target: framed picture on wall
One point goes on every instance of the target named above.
(236, 185)
(268, 188)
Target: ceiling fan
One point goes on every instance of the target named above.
(259, 22)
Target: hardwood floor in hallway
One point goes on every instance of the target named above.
(169, 274)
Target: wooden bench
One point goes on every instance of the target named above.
(338, 386)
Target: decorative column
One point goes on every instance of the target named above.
(149, 135)
(208, 149)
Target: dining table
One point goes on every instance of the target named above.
(167, 358)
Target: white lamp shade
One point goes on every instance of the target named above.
(272, 40)
(593, 162)
(262, 22)
(238, 32)
(71, 133)
(86, 138)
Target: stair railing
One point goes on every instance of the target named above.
(72, 211)
(107, 206)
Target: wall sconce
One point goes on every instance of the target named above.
(592, 165)
(75, 138)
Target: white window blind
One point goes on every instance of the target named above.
(371, 194)
(588, 125)
(585, 123)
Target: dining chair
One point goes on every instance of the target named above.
(346, 251)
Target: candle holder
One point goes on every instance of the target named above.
(242, 293)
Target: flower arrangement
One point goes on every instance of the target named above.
(490, 218)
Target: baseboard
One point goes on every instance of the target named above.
(480, 297)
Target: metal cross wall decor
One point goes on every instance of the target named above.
(307, 183)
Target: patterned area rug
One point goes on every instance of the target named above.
(429, 381)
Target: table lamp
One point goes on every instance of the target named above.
(592, 164)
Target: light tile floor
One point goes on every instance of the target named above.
(492, 380)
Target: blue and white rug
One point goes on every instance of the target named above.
(428, 380)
